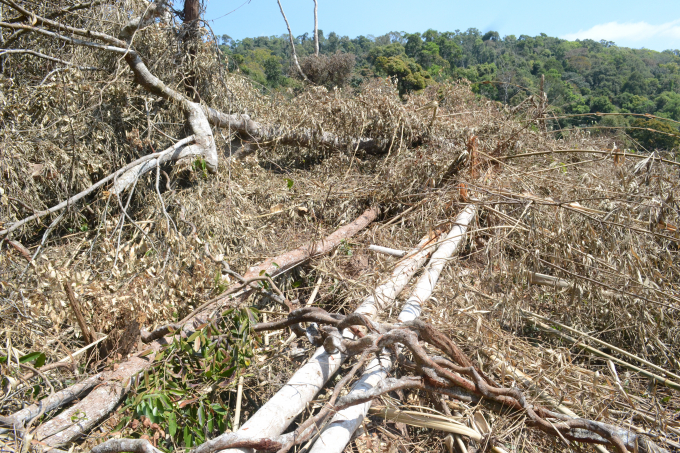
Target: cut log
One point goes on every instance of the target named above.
(338, 432)
(548, 280)
(277, 414)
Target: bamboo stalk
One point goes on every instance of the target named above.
(239, 397)
(425, 420)
(315, 292)
(608, 152)
(597, 352)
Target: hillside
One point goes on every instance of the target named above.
(191, 262)
(580, 76)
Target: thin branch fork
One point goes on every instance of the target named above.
(174, 148)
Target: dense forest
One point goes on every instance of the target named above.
(580, 77)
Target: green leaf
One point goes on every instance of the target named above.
(193, 336)
(30, 357)
(297, 284)
(172, 424)
(40, 361)
(187, 437)
(290, 183)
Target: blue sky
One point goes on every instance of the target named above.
(632, 23)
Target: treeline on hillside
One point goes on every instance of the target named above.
(580, 77)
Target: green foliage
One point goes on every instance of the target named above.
(655, 134)
(580, 76)
(38, 359)
(409, 74)
(185, 395)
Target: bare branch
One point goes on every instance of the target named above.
(47, 57)
(174, 148)
(292, 42)
(316, 28)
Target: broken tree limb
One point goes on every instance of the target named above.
(427, 281)
(337, 434)
(272, 267)
(259, 133)
(52, 402)
(387, 250)
(292, 41)
(275, 415)
(282, 263)
(112, 386)
(174, 148)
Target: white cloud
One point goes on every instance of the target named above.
(630, 32)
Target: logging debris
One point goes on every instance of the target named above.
(598, 227)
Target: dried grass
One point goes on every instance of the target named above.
(61, 136)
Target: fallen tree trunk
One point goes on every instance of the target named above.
(112, 386)
(277, 414)
(338, 432)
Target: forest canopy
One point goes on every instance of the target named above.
(580, 77)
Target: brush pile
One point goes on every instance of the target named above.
(565, 287)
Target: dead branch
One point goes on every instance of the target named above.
(112, 386)
(131, 166)
(292, 42)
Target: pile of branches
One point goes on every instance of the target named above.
(142, 183)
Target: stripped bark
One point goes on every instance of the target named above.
(337, 434)
(275, 416)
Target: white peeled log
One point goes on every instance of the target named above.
(337, 434)
(277, 414)
(428, 280)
